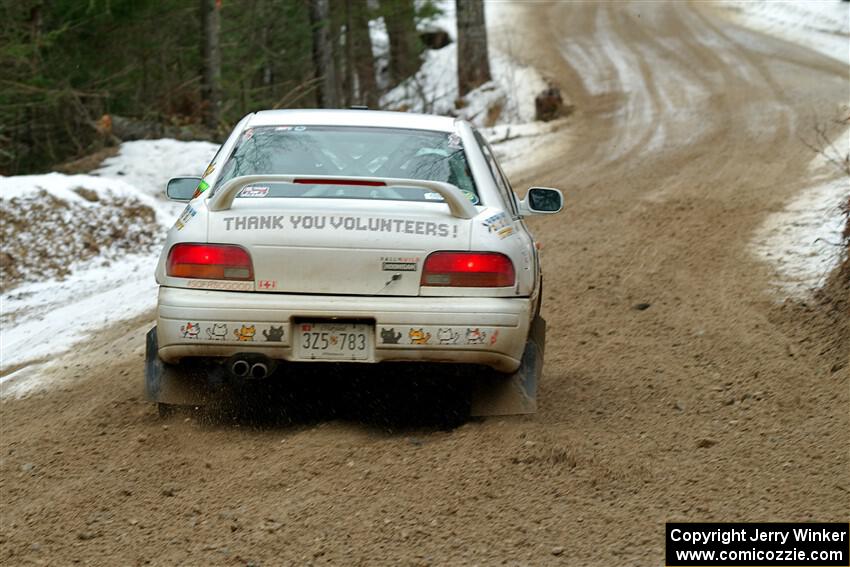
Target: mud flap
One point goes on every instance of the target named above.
(514, 394)
(174, 384)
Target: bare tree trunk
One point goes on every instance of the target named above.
(473, 67)
(362, 61)
(211, 56)
(400, 17)
(323, 55)
(266, 13)
(345, 55)
(36, 25)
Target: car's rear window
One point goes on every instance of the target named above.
(351, 152)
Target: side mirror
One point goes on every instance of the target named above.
(542, 200)
(182, 188)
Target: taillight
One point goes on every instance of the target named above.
(468, 269)
(210, 261)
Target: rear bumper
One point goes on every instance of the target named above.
(470, 330)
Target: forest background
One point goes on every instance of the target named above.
(79, 76)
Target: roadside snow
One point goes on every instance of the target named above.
(503, 108)
(42, 319)
(822, 25)
(803, 241)
(434, 88)
(147, 165)
(518, 145)
(53, 224)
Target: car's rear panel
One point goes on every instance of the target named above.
(336, 246)
(488, 331)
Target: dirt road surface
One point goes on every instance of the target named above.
(715, 403)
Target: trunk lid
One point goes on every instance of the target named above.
(338, 246)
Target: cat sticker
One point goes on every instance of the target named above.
(418, 337)
(245, 333)
(218, 332)
(273, 334)
(190, 330)
(475, 336)
(447, 336)
(389, 336)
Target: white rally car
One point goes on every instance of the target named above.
(349, 236)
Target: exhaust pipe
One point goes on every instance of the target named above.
(240, 368)
(250, 366)
(259, 370)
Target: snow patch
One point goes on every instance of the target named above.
(803, 242)
(22, 381)
(43, 319)
(52, 224)
(519, 146)
(434, 88)
(147, 165)
(822, 25)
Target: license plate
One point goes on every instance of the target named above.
(334, 341)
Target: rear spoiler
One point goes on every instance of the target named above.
(459, 205)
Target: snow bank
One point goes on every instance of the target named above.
(508, 99)
(803, 242)
(147, 165)
(51, 224)
(94, 237)
(822, 25)
(518, 146)
(41, 320)
(434, 90)
(503, 108)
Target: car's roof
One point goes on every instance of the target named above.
(375, 118)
